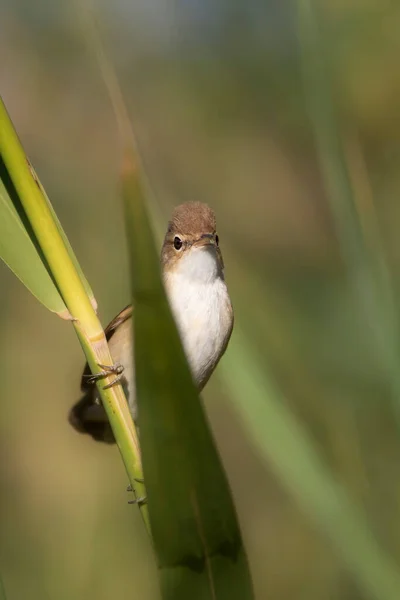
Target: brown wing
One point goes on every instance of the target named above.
(123, 316)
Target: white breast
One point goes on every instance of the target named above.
(200, 302)
(202, 309)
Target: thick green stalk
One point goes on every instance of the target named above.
(44, 226)
(72, 290)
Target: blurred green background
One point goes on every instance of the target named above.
(216, 99)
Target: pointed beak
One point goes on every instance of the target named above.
(208, 242)
(207, 239)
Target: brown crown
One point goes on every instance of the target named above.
(192, 218)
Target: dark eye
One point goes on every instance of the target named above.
(177, 243)
(217, 240)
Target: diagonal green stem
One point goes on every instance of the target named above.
(72, 290)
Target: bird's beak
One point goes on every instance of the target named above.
(207, 239)
(209, 242)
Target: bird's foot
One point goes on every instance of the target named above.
(138, 479)
(107, 370)
(139, 501)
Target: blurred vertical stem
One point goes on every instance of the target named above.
(357, 233)
(285, 445)
(72, 290)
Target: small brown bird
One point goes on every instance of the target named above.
(193, 273)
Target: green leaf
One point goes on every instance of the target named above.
(193, 521)
(19, 247)
(20, 252)
(43, 244)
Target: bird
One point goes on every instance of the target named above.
(193, 275)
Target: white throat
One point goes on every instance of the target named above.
(202, 309)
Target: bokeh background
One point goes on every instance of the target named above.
(215, 94)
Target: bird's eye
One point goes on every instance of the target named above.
(177, 243)
(217, 240)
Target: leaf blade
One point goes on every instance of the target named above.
(19, 253)
(187, 487)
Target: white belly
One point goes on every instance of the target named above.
(202, 309)
(204, 318)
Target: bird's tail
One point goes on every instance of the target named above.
(86, 416)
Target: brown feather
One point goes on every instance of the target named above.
(192, 219)
(190, 222)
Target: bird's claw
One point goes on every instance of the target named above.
(138, 479)
(116, 369)
(139, 501)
